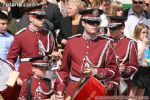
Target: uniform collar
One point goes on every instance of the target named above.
(119, 38)
(32, 29)
(93, 38)
(4, 34)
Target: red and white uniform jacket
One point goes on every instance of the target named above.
(126, 53)
(27, 44)
(97, 52)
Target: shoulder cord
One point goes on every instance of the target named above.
(127, 53)
(41, 46)
(101, 56)
(40, 90)
(135, 51)
(53, 46)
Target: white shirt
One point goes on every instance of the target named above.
(132, 21)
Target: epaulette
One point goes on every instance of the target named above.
(106, 37)
(76, 35)
(20, 31)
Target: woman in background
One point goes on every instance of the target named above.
(94, 3)
(71, 24)
(116, 9)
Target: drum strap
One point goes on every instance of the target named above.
(29, 97)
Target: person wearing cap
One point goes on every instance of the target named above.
(126, 53)
(30, 42)
(37, 87)
(84, 54)
(53, 15)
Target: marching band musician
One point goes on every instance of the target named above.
(37, 87)
(87, 53)
(126, 53)
(31, 41)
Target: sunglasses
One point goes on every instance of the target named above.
(138, 2)
(39, 17)
(92, 22)
(147, 4)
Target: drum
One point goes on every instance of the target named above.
(7, 93)
(92, 89)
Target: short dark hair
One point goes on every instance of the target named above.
(3, 16)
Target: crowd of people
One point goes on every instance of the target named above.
(55, 45)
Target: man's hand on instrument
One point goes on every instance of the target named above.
(91, 70)
(121, 68)
(59, 95)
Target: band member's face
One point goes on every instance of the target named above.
(91, 27)
(37, 21)
(3, 25)
(39, 72)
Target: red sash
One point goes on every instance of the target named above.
(90, 90)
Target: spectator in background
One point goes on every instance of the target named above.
(5, 37)
(141, 78)
(53, 14)
(147, 5)
(135, 15)
(6, 40)
(105, 6)
(147, 8)
(140, 35)
(116, 9)
(71, 24)
(94, 3)
(3, 7)
(62, 4)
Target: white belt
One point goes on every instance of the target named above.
(77, 79)
(25, 59)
